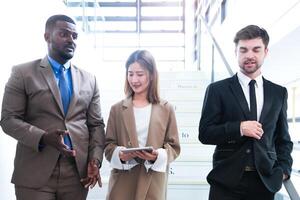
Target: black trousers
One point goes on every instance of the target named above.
(250, 188)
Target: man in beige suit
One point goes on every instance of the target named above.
(52, 109)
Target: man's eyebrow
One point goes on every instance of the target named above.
(68, 30)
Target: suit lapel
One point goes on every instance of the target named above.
(267, 99)
(239, 94)
(48, 74)
(128, 117)
(157, 118)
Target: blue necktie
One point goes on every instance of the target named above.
(65, 97)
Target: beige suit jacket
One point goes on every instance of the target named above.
(137, 184)
(32, 105)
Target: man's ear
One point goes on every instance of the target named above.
(266, 51)
(46, 37)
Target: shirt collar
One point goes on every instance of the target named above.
(57, 65)
(244, 80)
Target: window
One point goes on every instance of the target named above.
(130, 15)
(223, 10)
(126, 25)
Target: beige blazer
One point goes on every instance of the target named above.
(137, 184)
(32, 105)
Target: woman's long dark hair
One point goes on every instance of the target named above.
(146, 60)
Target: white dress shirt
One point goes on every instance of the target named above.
(259, 91)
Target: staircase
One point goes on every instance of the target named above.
(187, 178)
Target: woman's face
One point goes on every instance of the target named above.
(138, 78)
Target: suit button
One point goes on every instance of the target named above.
(248, 151)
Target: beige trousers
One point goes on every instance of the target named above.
(64, 184)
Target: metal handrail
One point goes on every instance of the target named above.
(291, 190)
(288, 184)
(217, 46)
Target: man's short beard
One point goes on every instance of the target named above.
(253, 70)
(67, 56)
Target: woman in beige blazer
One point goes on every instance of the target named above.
(140, 120)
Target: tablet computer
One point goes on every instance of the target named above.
(128, 150)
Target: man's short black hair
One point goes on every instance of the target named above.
(251, 32)
(54, 18)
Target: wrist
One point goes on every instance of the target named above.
(42, 140)
(241, 128)
(98, 163)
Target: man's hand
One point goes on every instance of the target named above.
(93, 175)
(55, 139)
(252, 129)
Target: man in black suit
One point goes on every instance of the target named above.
(248, 125)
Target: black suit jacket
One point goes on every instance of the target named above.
(224, 108)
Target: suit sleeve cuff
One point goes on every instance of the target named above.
(160, 164)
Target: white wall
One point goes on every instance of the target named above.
(22, 27)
